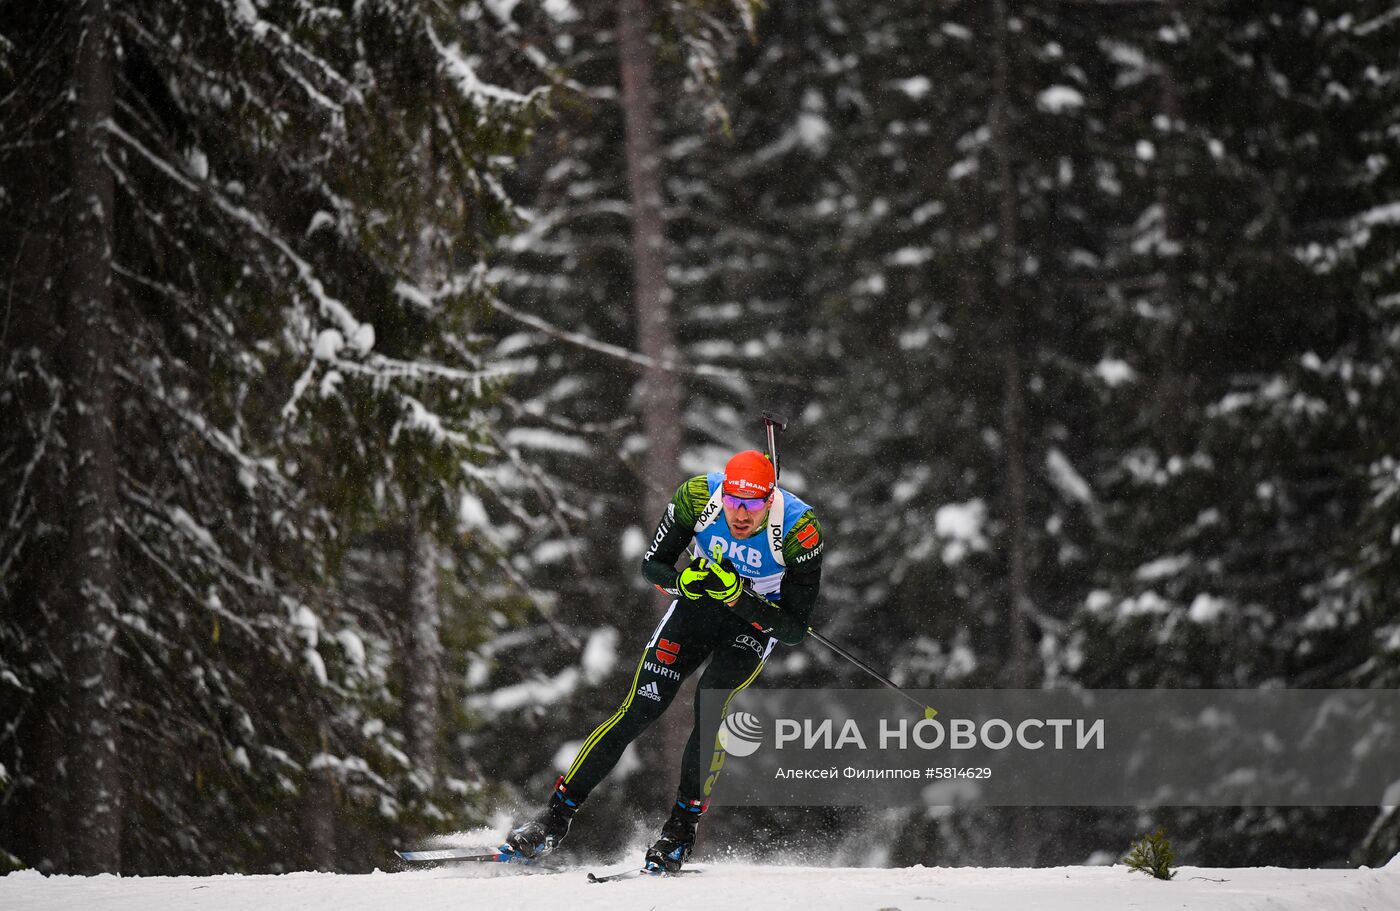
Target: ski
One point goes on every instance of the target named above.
(468, 855)
(635, 871)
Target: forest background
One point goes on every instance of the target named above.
(350, 348)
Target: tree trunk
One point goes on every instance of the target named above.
(318, 809)
(1018, 672)
(1021, 841)
(661, 408)
(423, 648)
(1172, 395)
(93, 672)
(422, 642)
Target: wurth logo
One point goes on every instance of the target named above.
(666, 651)
(651, 691)
(661, 670)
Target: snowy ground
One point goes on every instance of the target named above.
(726, 885)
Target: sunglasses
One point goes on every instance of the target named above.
(752, 504)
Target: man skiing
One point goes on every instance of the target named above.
(752, 579)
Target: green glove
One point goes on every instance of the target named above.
(690, 583)
(722, 582)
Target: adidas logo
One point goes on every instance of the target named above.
(651, 691)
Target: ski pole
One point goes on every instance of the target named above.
(774, 424)
(929, 711)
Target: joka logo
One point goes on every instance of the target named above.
(651, 691)
(666, 651)
(741, 734)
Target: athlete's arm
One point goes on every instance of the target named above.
(674, 533)
(788, 620)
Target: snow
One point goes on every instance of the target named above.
(910, 256)
(727, 885)
(1149, 603)
(1206, 608)
(632, 544)
(960, 525)
(186, 523)
(306, 624)
(1064, 476)
(363, 338)
(1387, 214)
(544, 440)
(459, 67)
(915, 87)
(1114, 372)
(561, 11)
(812, 131)
(321, 219)
(471, 514)
(246, 11)
(531, 693)
(328, 345)
(353, 646)
(198, 164)
(1060, 99)
(565, 755)
(1161, 568)
(317, 665)
(599, 655)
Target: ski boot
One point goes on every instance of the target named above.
(672, 849)
(541, 835)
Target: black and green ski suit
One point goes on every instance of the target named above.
(737, 640)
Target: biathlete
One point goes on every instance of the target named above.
(730, 609)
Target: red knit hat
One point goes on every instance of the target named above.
(749, 474)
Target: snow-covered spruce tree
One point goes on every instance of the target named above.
(285, 381)
(946, 211)
(1233, 476)
(566, 291)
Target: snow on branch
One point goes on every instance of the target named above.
(624, 354)
(179, 582)
(330, 307)
(1377, 23)
(419, 417)
(471, 86)
(384, 367)
(23, 508)
(249, 466)
(243, 11)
